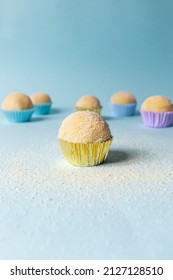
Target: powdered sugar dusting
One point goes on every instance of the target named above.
(41, 174)
(84, 127)
(46, 203)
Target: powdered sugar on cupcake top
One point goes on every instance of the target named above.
(84, 127)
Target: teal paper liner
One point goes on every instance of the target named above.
(18, 116)
(42, 109)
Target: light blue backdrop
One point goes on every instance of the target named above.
(73, 47)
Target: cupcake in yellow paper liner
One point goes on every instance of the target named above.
(85, 138)
(88, 103)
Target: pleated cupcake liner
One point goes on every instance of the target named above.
(80, 154)
(96, 110)
(42, 109)
(123, 110)
(157, 119)
(18, 115)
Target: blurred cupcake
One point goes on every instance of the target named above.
(42, 103)
(88, 103)
(123, 103)
(17, 107)
(157, 111)
(85, 138)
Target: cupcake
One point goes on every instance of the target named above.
(157, 111)
(85, 138)
(17, 107)
(123, 103)
(42, 103)
(88, 103)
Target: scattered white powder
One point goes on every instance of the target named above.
(130, 170)
(135, 181)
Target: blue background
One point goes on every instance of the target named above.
(71, 48)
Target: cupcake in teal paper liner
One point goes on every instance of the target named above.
(123, 104)
(85, 138)
(17, 107)
(42, 103)
(157, 111)
(88, 103)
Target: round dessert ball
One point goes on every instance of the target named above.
(40, 98)
(123, 97)
(157, 104)
(17, 101)
(84, 127)
(88, 102)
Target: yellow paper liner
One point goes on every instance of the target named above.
(96, 110)
(85, 154)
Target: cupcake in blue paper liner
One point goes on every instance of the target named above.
(42, 103)
(17, 107)
(157, 111)
(123, 104)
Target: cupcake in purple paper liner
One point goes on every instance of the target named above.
(157, 111)
(123, 104)
(42, 103)
(17, 107)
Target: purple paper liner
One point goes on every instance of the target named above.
(123, 110)
(157, 119)
(42, 109)
(18, 115)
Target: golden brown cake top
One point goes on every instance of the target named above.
(17, 101)
(157, 103)
(40, 98)
(84, 127)
(88, 102)
(123, 97)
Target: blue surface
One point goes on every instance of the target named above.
(122, 209)
(70, 48)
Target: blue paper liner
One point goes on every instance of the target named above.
(157, 119)
(18, 115)
(42, 109)
(123, 110)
